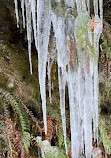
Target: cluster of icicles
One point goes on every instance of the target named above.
(74, 43)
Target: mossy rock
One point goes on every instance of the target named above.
(104, 136)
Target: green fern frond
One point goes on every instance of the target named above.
(4, 148)
(22, 116)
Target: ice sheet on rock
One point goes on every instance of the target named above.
(43, 29)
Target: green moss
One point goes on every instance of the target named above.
(16, 64)
(60, 142)
(106, 46)
(81, 24)
(81, 34)
(104, 137)
(3, 80)
(106, 43)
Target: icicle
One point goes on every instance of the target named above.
(16, 12)
(50, 62)
(52, 86)
(56, 130)
(88, 107)
(59, 29)
(43, 29)
(88, 6)
(49, 78)
(51, 58)
(95, 7)
(101, 11)
(33, 9)
(73, 102)
(79, 6)
(81, 96)
(97, 32)
(62, 83)
(29, 31)
(26, 4)
(22, 6)
(72, 80)
(84, 5)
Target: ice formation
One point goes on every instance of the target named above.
(76, 47)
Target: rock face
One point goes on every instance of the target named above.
(14, 65)
(105, 82)
(15, 78)
(105, 101)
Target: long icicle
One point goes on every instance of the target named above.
(33, 10)
(43, 29)
(62, 84)
(29, 31)
(59, 29)
(97, 33)
(73, 102)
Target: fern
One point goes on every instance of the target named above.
(10, 98)
(29, 112)
(4, 148)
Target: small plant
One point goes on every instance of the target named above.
(17, 107)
